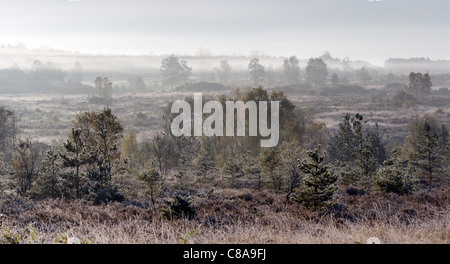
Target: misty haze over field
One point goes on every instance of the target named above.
(372, 31)
(368, 47)
(118, 38)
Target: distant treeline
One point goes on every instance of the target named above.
(183, 73)
(417, 64)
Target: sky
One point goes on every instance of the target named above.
(359, 29)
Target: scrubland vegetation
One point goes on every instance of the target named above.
(361, 154)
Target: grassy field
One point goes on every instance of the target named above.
(234, 216)
(45, 117)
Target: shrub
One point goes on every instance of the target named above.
(403, 99)
(101, 193)
(107, 195)
(353, 191)
(155, 182)
(179, 207)
(394, 177)
(29, 235)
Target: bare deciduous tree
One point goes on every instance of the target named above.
(163, 148)
(25, 163)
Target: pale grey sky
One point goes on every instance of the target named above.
(359, 29)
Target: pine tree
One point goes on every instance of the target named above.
(429, 148)
(395, 176)
(49, 182)
(359, 148)
(253, 170)
(368, 154)
(74, 159)
(271, 164)
(99, 135)
(234, 169)
(444, 143)
(334, 80)
(257, 72)
(154, 181)
(206, 158)
(319, 185)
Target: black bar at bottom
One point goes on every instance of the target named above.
(230, 253)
